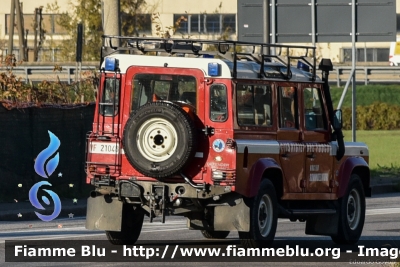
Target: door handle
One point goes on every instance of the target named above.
(311, 156)
(285, 155)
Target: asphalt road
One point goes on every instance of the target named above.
(381, 225)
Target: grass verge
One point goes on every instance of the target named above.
(384, 157)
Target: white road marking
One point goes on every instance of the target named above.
(382, 211)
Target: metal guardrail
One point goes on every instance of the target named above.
(366, 74)
(67, 74)
(340, 74)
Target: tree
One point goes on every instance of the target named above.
(133, 17)
(89, 13)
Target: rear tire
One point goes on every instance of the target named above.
(215, 234)
(132, 221)
(351, 213)
(263, 218)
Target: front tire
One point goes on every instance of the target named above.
(214, 234)
(132, 221)
(263, 218)
(351, 213)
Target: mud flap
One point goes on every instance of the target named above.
(322, 224)
(231, 218)
(104, 213)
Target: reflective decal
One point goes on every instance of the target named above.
(319, 148)
(319, 177)
(218, 165)
(218, 145)
(314, 168)
(199, 155)
(291, 147)
(274, 147)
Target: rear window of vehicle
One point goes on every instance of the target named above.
(152, 87)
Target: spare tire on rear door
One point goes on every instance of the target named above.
(159, 139)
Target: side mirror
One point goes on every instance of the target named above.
(337, 120)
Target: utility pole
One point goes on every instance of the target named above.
(16, 8)
(11, 29)
(37, 31)
(111, 19)
(79, 46)
(21, 34)
(266, 31)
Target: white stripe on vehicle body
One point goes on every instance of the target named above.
(258, 146)
(274, 147)
(356, 149)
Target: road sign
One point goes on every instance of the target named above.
(310, 21)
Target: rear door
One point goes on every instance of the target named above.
(292, 148)
(185, 87)
(219, 119)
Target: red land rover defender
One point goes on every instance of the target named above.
(232, 138)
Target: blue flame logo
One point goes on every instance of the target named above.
(45, 154)
(46, 170)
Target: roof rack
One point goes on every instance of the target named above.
(231, 50)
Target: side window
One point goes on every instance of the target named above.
(244, 104)
(253, 104)
(262, 105)
(314, 117)
(288, 107)
(110, 98)
(218, 103)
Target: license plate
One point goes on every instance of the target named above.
(104, 148)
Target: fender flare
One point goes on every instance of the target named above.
(346, 170)
(256, 174)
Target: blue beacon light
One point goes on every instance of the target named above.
(302, 66)
(111, 64)
(214, 69)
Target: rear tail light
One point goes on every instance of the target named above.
(99, 169)
(92, 168)
(219, 175)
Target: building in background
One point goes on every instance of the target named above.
(208, 19)
(53, 32)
